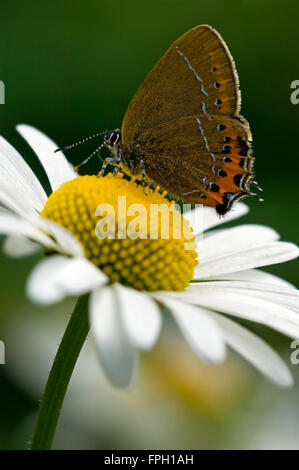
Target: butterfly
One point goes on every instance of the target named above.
(183, 130)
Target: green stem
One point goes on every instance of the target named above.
(61, 372)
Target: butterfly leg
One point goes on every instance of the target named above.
(108, 161)
(117, 161)
(142, 162)
(114, 161)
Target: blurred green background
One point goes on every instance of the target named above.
(70, 69)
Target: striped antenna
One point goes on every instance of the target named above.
(97, 150)
(68, 147)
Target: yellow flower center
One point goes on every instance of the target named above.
(138, 239)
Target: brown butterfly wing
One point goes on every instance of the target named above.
(201, 158)
(195, 76)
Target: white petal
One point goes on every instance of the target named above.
(239, 249)
(236, 239)
(242, 286)
(271, 292)
(42, 284)
(14, 225)
(272, 314)
(199, 329)
(208, 217)
(117, 355)
(19, 177)
(4, 210)
(288, 299)
(58, 276)
(13, 200)
(79, 276)
(196, 218)
(141, 316)
(266, 255)
(256, 351)
(58, 169)
(17, 246)
(257, 276)
(66, 241)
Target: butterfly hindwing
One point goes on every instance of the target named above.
(200, 158)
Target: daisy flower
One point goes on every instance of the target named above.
(129, 281)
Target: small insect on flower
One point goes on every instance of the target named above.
(183, 130)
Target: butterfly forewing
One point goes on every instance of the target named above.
(195, 76)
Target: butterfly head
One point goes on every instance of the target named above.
(112, 138)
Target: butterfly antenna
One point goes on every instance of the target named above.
(68, 147)
(97, 150)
